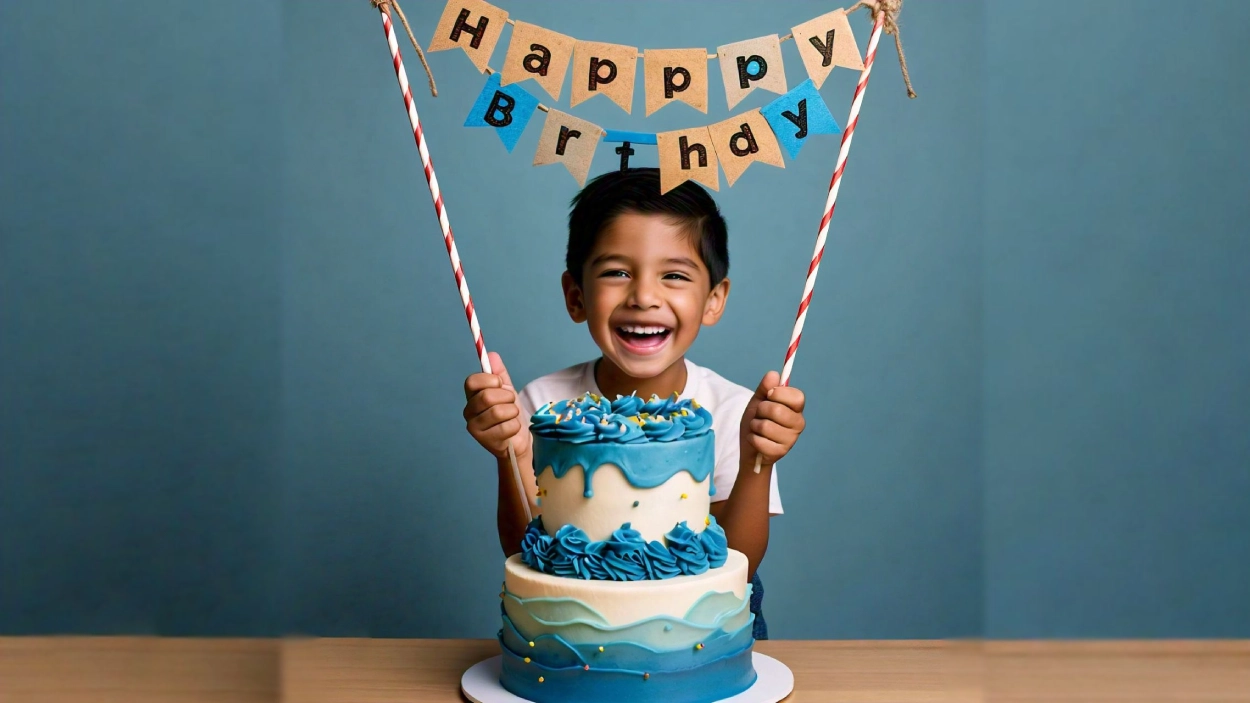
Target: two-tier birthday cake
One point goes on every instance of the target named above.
(625, 589)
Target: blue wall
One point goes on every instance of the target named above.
(231, 354)
(1117, 337)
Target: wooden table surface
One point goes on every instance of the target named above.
(143, 670)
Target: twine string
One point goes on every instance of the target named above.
(890, 8)
(385, 6)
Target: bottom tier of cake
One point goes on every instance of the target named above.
(680, 640)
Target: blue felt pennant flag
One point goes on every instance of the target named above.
(798, 115)
(506, 108)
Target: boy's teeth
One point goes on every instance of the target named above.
(641, 329)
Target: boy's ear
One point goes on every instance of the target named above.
(715, 305)
(574, 299)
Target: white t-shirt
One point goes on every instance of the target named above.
(723, 398)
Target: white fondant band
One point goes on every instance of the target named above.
(623, 603)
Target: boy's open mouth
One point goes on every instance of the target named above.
(642, 339)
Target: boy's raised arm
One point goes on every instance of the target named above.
(771, 425)
(494, 418)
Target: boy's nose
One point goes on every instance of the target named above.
(644, 295)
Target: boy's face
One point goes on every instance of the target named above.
(645, 293)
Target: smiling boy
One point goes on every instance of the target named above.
(646, 272)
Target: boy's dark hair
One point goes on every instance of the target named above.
(638, 190)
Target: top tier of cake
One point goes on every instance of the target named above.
(601, 464)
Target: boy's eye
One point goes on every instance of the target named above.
(677, 276)
(613, 273)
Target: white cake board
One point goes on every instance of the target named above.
(774, 682)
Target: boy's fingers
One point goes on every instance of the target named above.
(780, 414)
(480, 381)
(772, 431)
(788, 396)
(770, 450)
(769, 382)
(484, 399)
(493, 415)
(501, 433)
(498, 369)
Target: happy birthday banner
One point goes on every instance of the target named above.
(669, 75)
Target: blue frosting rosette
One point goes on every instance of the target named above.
(626, 420)
(688, 549)
(625, 555)
(536, 547)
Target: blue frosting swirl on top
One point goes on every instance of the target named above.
(626, 420)
(625, 555)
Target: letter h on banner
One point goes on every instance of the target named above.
(472, 25)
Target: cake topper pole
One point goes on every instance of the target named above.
(880, 14)
(441, 210)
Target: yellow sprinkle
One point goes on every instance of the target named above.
(527, 660)
(600, 648)
(707, 520)
(531, 643)
(699, 646)
(694, 404)
(541, 679)
(684, 496)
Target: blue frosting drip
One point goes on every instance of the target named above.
(644, 464)
(625, 555)
(626, 420)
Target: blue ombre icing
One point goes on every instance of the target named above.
(625, 556)
(704, 656)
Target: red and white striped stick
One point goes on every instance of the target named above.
(834, 186)
(448, 239)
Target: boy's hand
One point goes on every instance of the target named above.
(772, 421)
(491, 411)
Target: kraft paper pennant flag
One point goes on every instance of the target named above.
(751, 64)
(670, 75)
(604, 68)
(570, 141)
(687, 154)
(506, 108)
(825, 42)
(799, 114)
(472, 25)
(538, 53)
(741, 141)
